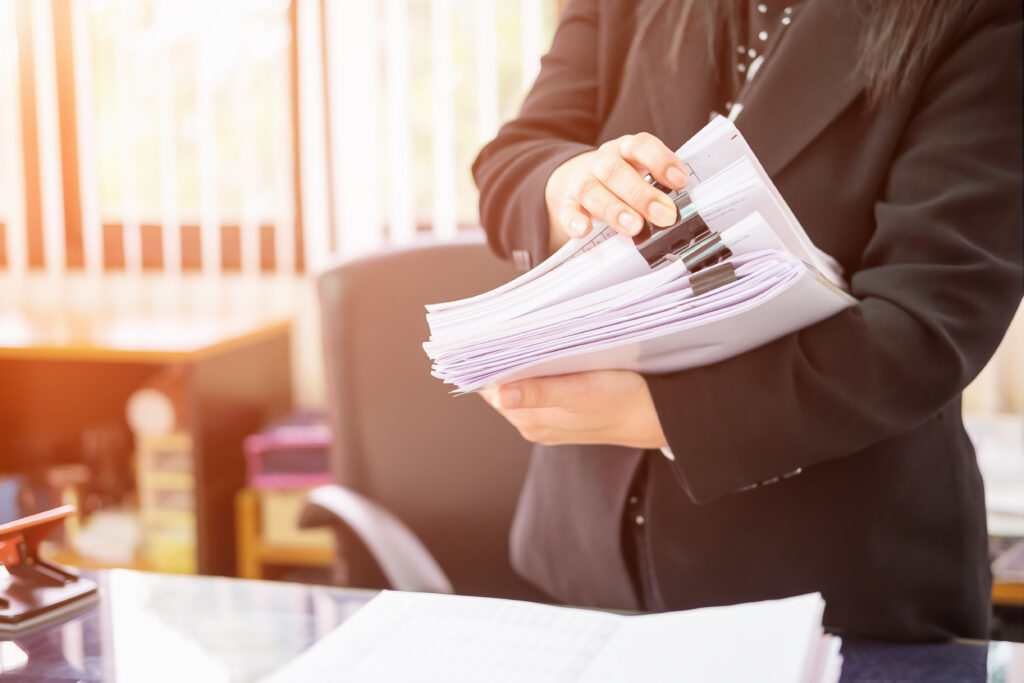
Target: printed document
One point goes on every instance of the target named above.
(399, 637)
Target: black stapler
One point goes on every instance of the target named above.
(34, 591)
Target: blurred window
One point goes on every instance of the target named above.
(191, 108)
(161, 134)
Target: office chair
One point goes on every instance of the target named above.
(427, 481)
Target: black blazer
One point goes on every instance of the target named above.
(920, 201)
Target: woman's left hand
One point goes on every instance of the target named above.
(599, 407)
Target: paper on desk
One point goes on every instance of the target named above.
(426, 637)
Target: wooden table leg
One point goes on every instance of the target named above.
(247, 536)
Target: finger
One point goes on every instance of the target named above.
(510, 396)
(602, 203)
(647, 151)
(574, 219)
(556, 391)
(627, 184)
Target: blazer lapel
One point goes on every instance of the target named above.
(680, 100)
(805, 83)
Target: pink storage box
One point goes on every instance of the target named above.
(289, 456)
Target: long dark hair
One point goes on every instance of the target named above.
(899, 35)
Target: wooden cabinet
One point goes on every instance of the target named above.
(61, 374)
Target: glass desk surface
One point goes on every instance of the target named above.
(155, 627)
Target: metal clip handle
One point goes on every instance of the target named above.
(655, 243)
(702, 251)
(712, 278)
(708, 250)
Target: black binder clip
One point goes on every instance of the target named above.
(656, 243)
(34, 591)
(712, 278)
(689, 238)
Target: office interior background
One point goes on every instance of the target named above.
(174, 175)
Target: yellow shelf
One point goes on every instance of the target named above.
(254, 553)
(1008, 594)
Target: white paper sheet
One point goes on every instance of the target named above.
(454, 639)
(720, 144)
(651, 329)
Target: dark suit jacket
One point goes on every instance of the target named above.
(920, 201)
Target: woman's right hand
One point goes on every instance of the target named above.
(607, 184)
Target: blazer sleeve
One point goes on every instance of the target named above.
(938, 284)
(558, 120)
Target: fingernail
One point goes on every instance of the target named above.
(676, 177)
(661, 214)
(510, 397)
(630, 222)
(577, 227)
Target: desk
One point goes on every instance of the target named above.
(62, 372)
(152, 627)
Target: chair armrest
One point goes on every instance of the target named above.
(404, 560)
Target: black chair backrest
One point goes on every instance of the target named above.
(448, 466)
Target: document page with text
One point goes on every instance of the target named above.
(425, 637)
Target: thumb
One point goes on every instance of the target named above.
(540, 392)
(510, 396)
(529, 393)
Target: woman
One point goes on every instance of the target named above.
(833, 459)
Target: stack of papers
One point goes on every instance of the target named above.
(426, 637)
(601, 303)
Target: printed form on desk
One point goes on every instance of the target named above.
(426, 637)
